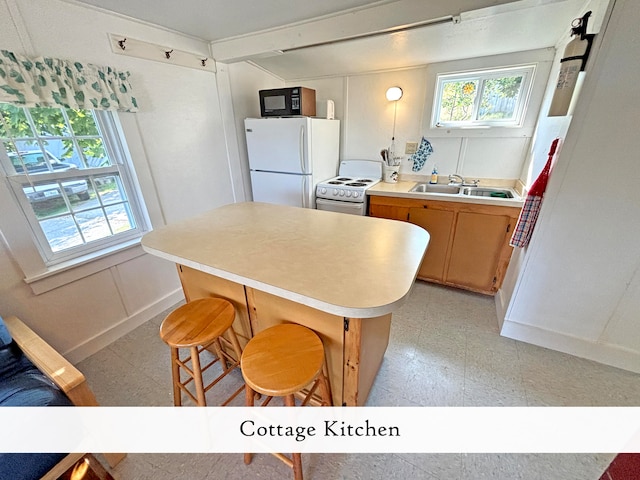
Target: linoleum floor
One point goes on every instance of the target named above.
(445, 350)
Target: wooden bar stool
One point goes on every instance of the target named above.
(280, 362)
(198, 325)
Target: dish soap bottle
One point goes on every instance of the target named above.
(434, 175)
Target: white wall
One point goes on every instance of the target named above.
(577, 290)
(245, 80)
(178, 146)
(367, 118)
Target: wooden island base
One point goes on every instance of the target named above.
(354, 347)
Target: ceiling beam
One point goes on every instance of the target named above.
(362, 22)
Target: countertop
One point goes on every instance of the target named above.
(346, 265)
(401, 189)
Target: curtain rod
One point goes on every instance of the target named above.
(413, 26)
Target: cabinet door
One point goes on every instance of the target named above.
(392, 212)
(476, 250)
(438, 223)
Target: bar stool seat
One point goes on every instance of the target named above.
(197, 325)
(280, 362)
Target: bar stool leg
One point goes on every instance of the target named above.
(325, 392)
(175, 373)
(235, 344)
(290, 401)
(325, 386)
(248, 402)
(197, 376)
(218, 349)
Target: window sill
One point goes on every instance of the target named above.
(67, 272)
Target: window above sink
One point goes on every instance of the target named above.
(482, 98)
(478, 70)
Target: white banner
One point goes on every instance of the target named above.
(321, 429)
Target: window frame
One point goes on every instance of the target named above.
(528, 73)
(122, 166)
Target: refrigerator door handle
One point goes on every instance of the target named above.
(305, 189)
(301, 150)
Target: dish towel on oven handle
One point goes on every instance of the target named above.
(532, 204)
(422, 153)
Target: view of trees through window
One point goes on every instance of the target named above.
(485, 97)
(71, 188)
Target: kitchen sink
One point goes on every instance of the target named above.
(436, 188)
(487, 192)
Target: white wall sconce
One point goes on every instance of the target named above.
(394, 94)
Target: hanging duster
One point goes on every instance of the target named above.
(533, 203)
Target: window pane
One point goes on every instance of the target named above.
(94, 152)
(500, 98)
(64, 152)
(82, 122)
(458, 98)
(98, 216)
(61, 232)
(120, 217)
(93, 224)
(14, 122)
(46, 199)
(110, 189)
(49, 122)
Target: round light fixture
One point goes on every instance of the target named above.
(394, 94)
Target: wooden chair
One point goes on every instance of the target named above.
(68, 379)
(198, 326)
(280, 362)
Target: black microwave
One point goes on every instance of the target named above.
(287, 102)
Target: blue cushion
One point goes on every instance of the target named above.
(22, 384)
(5, 336)
(27, 466)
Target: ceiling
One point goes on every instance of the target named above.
(260, 31)
(217, 19)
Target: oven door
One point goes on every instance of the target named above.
(342, 207)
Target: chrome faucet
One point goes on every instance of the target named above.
(455, 179)
(458, 181)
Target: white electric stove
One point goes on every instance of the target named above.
(346, 193)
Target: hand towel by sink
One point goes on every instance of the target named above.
(532, 204)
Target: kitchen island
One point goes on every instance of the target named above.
(340, 275)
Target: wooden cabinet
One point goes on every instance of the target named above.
(476, 250)
(469, 246)
(354, 347)
(438, 222)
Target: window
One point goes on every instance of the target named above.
(486, 98)
(72, 179)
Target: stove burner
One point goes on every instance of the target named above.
(334, 182)
(356, 184)
(344, 179)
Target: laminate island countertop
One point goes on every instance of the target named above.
(337, 274)
(347, 265)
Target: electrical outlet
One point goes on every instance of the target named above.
(410, 148)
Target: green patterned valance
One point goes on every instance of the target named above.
(50, 82)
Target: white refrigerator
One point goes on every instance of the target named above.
(289, 156)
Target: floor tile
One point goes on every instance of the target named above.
(444, 350)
